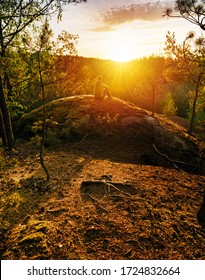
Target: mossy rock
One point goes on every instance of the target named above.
(29, 241)
(73, 118)
(83, 114)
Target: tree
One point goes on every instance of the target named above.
(153, 76)
(170, 107)
(191, 10)
(43, 48)
(194, 12)
(42, 56)
(15, 17)
(189, 58)
(84, 83)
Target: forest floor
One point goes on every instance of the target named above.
(112, 194)
(128, 210)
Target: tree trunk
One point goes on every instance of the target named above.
(153, 100)
(44, 124)
(6, 118)
(2, 130)
(194, 105)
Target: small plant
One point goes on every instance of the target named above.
(2, 162)
(9, 203)
(53, 137)
(50, 124)
(107, 123)
(64, 134)
(35, 141)
(107, 119)
(37, 127)
(78, 125)
(7, 161)
(52, 133)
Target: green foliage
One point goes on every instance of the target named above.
(13, 200)
(169, 107)
(17, 17)
(56, 133)
(51, 133)
(35, 141)
(200, 112)
(180, 94)
(2, 162)
(16, 109)
(10, 202)
(75, 76)
(63, 135)
(84, 81)
(6, 161)
(189, 59)
(78, 125)
(107, 123)
(22, 46)
(37, 127)
(107, 119)
(66, 75)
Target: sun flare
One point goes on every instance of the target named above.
(122, 53)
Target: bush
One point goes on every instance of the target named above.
(169, 108)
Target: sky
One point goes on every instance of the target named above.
(121, 30)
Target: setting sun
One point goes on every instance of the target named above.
(122, 53)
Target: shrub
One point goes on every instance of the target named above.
(169, 108)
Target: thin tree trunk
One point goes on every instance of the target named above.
(44, 125)
(153, 100)
(2, 130)
(194, 105)
(8, 85)
(6, 118)
(42, 145)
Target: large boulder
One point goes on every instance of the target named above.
(118, 121)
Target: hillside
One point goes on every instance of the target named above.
(119, 125)
(123, 185)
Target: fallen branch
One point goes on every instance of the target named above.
(88, 183)
(113, 186)
(108, 185)
(84, 138)
(98, 201)
(95, 199)
(175, 163)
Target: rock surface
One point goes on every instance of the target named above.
(119, 123)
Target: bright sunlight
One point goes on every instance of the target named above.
(122, 53)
